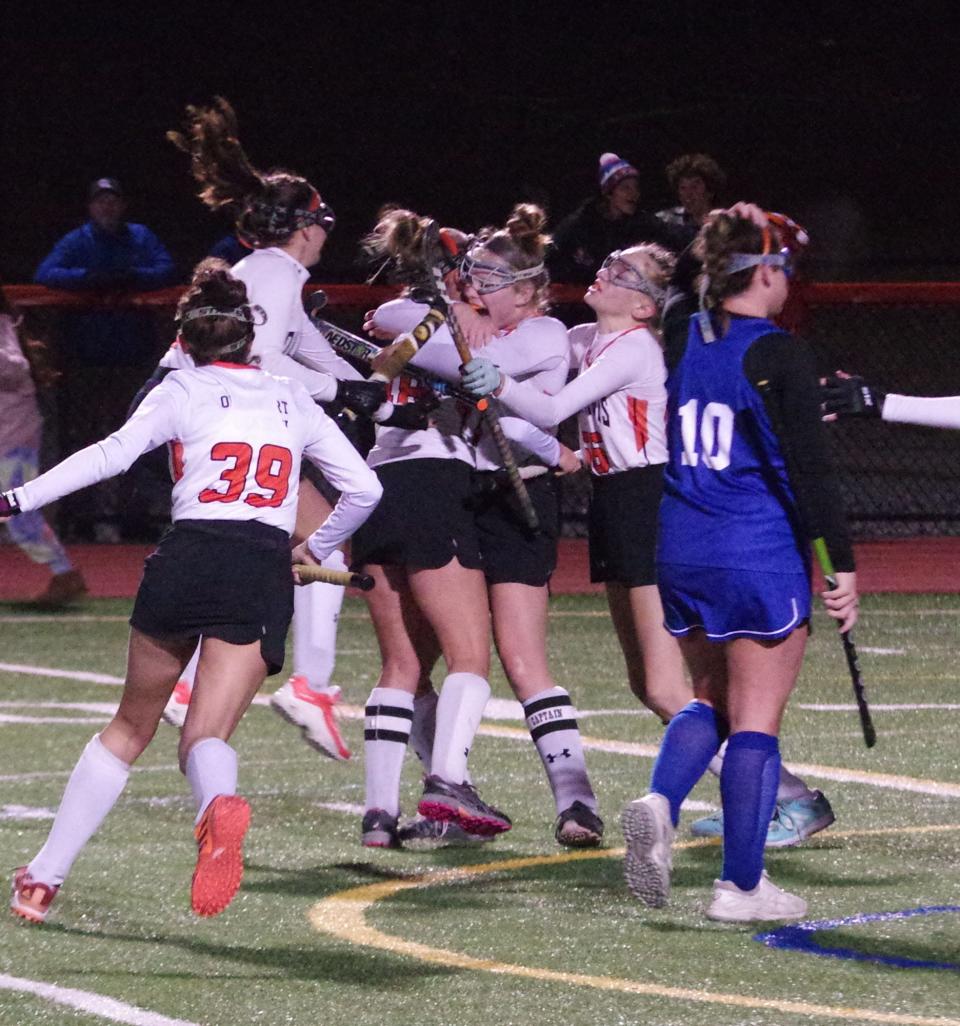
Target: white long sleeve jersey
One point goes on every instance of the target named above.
(536, 349)
(620, 397)
(287, 344)
(237, 436)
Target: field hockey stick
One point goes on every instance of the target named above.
(348, 344)
(849, 650)
(310, 574)
(405, 346)
(826, 565)
(490, 419)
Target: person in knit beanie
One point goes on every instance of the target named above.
(607, 221)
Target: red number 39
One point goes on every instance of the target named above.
(272, 473)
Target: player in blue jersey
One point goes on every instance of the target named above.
(747, 487)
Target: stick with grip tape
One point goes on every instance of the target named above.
(359, 348)
(309, 573)
(405, 347)
(829, 574)
(436, 240)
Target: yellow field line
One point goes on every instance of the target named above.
(343, 916)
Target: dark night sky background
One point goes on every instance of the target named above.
(843, 115)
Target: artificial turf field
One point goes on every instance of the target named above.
(324, 931)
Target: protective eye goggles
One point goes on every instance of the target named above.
(282, 219)
(486, 277)
(619, 271)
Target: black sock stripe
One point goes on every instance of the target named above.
(546, 703)
(552, 726)
(386, 735)
(389, 710)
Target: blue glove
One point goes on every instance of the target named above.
(480, 377)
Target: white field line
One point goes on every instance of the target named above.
(841, 774)
(880, 707)
(89, 1002)
(21, 812)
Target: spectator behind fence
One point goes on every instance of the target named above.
(606, 222)
(23, 369)
(697, 181)
(106, 354)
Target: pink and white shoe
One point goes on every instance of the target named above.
(315, 713)
(175, 711)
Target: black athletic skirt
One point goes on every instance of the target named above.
(511, 552)
(422, 520)
(623, 526)
(223, 579)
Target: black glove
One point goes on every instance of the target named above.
(362, 397)
(8, 505)
(413, 416)
(120, 278)
(851, 397)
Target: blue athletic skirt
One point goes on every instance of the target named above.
(729, 604)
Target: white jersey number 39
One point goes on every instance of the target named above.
(715, 434)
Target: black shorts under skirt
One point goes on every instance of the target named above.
(221, 579)
(623, 526)
(422, 520)
(511, 552)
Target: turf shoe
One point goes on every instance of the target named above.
(765, 901)
(578, 827)
(30, 899)
(315, 713)
(794, 820)
(463, 805)
(422, 834)
(648, 831)
(219, 869)
(379, 829)
(175, 711)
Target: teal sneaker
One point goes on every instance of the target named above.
(794, 820)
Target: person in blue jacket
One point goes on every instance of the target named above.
(105, 353)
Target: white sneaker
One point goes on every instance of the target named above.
(765, 901)
(314, 712)
(175, 711)
(648, 831)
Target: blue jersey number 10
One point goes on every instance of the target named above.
(714, 431)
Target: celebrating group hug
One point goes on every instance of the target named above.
(432, 466)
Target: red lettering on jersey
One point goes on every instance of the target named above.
(236, 476)
(637, 412)
(273, 471)
(176, 461)
(595, 453)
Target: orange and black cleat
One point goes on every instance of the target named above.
(219, 869)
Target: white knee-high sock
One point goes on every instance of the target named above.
(386, 731)
(190, 670)
(94, 786)
(424, 727)
(211, 770)
(552, 722)
(463, 697)
(316, 616)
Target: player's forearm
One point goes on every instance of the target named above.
(95, 463)
(940, 412)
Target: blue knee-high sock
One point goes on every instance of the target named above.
(691, 740)
(748, 787)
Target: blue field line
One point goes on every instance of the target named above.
(800, 937)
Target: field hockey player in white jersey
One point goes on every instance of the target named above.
(281, 215)
(504, 283)
(222, 573)
(620, 397)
